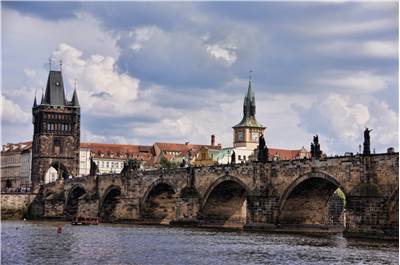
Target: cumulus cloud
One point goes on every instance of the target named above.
(341, 120)
(12, 112)
(98, 76)
(225, 54)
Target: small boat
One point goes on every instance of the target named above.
(85, 221)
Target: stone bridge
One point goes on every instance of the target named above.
(282, 195)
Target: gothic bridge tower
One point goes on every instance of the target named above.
(56, 133)
(247, 132)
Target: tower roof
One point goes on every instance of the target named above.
(55, 94)
(249, 111)
(74, 100)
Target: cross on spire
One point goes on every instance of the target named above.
(250, 72)
(61, 65)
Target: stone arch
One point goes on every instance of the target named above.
(305, 200)
(54, 171)
(72, 201)
(108, 204)
(159, 202)
(225, 203)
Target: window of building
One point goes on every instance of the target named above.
(107, 164)
(254, 136)
(239, 157)
(240, 136)
(57, 146)
(244, 157)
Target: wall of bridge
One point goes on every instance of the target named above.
(278, 193)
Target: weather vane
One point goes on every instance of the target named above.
(61, 65)
(50, 62)
(250, 72)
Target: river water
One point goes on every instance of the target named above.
(24, 242)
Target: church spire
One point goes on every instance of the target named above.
(34, 102)
(249, 108)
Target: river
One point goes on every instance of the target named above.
(26, 242)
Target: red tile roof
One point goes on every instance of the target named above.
(174, 147)
(284, 154)
(18, 147)
(122, 151)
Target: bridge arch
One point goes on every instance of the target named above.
(159, 202)
(305, 200)
(72, 201)
(108, 204)
(54, 171)
(225, 203)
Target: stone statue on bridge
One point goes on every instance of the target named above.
(367, 143)
(130, 165)
(233, 157)
(315, 147)
(93, 168)
(262, 150)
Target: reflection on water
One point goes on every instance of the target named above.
(38, 243)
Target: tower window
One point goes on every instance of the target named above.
(57, 146)
(240, 136)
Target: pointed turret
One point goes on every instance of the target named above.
(42, 100)
(249, 110)
(55, 89)
(246, 133)
(74, 100)
(34, 103)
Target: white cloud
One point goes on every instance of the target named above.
(140, 35)
(12, 112)
(356, 81)
(377, 49)
(345, 28)
(341, 120)
(226, 55)
(102, 90)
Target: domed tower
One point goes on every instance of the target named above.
(56, 133)
(247, 132)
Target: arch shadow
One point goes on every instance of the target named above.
(108, 203)
(158, 204)
(307, 201)
(219, 181)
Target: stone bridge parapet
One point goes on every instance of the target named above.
(278, 195)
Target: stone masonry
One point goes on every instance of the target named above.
(277, 196)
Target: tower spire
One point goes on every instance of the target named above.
(74, 100)
(34, 101)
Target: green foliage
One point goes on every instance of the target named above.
(167, 164)
(342, 196)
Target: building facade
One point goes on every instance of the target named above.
(110, 158)
(15, 166)
(56, 135)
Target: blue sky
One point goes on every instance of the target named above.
(177, 72)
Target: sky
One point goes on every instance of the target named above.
(177, 72)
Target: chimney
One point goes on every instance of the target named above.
(186, 143)
(212, 140)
